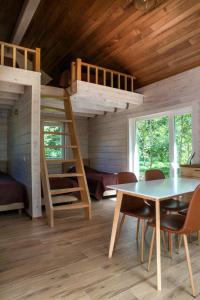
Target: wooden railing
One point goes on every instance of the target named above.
(30, 58)
(99, 75)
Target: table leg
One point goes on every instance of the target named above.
(115, 222)
(158, 245)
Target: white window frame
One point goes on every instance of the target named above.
(134, 160)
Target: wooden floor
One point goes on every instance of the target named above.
(70, 261)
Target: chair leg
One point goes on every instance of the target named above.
(120, 228)
(164, 241)
(179, 243)
(170, 244)
(187, 254)
(198, 237)
(138, 228)
(142, 242)
(151, 248)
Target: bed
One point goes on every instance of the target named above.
(97, 182)
(12, 193)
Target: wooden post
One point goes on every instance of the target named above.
(104, 77)
(78, 68)
(2, 54)
(37, 60)
(25, 59)
(14, 57)
(131, 84)
(88, 73)
(73, 72)
(96, 75)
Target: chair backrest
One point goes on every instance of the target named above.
(154, 174)
(129, 202)
(192, 220)
(126, 177)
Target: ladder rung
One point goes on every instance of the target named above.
(61, 146)
(52, 108)
(63, 175)
(70, 206)
(54, 161)
(56, 120)
(63, 199)
(65, 191)
(55, 132)
(54, 97)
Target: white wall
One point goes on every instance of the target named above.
(3, 140)
(108, 135)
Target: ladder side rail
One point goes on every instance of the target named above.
(85, 196)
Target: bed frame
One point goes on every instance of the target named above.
(14, 206)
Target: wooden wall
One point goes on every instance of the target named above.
(3, 140)
(19, 141)
(24, 134)
(108, 135)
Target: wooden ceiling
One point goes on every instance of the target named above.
(112, 33)
(9, 12)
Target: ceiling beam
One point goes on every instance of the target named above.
(28, 10)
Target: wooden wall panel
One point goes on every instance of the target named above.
(3, 140)
(108, 135)
(24, 133)
(19, 142)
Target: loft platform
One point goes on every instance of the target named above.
(17, 66)
(94, 91)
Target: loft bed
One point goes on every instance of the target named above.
(94, 91)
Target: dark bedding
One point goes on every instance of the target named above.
(97, 181)
(62, 183)
(11, 191)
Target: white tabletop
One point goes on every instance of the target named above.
(158, 189)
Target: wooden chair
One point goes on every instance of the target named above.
(170, 205)
(183, 226)
(134, 207)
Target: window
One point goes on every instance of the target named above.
(153, 145)
(54, 140)
(161, 141)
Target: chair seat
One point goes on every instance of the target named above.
(173, 205)
(170, 222)
(144, 212)
(183, 212)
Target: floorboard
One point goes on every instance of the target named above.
(70, 261)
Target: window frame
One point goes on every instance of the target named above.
(133, 160)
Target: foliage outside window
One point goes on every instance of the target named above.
(155, 140)
(53, 140)
(153, 145)
(183, 133)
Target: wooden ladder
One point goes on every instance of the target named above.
(50, 194)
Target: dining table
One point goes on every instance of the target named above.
(157, 191)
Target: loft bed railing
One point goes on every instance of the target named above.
(29, 58)
(94, 74)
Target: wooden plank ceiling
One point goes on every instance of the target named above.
(9, 12)
(152, 46)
